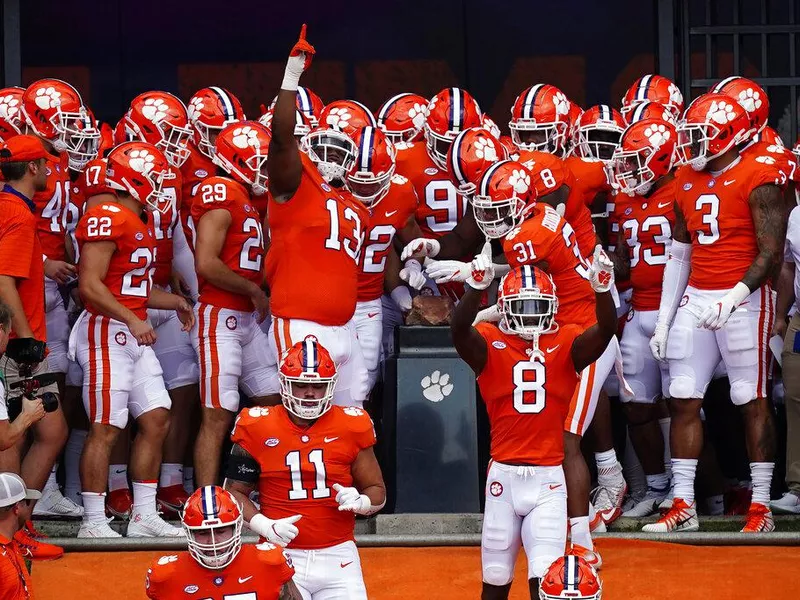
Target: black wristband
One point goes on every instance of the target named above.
(243, 468)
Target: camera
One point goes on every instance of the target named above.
(29, 386)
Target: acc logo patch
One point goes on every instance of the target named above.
(496, 488)
(121, 338)
(231, 323)
(684, 301)
(191, 589)
(272, 442)
(687, 187)
(499, 345)
(326, 187)
(628, 211)
(431, 171)
(201, 173)
(712, 183)
(49, 171)
(247, 208)
(139, 236)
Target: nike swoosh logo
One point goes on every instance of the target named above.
(244, 579)
(729, 182)
(370, 315)
(682, 521)
(343, 565)
(553, 349)
(555, 487)
(118, 471)
(329, 440)
(389, 214)
(663, 204)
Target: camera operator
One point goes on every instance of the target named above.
(24, 164)
(12, 431)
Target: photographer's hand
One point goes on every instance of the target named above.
(32, 411)
(11, 433)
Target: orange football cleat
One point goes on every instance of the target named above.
(590, 556)
(170, 500)
(33, 549)
(119, 503)
(31, 530)
(759, 519)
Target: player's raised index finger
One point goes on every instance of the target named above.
(303, 32)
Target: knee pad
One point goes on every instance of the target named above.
(679, 343)
(683, 386)
(498, 575)
(742, 392)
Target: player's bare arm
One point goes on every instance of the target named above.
(768, 209)
(410, 231)
(462, 241)
(785, 290)
(469, 344)
(95, 259)
(289, 591)
(591, 344)
(283, 163)
(367, 477)
(555, 198)
(166, 301)
(10, 295)
(211, 232)
(679, 231)
(621, 259)
(241, 482)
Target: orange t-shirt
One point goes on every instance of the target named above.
(527, 399)
(130, 272)
(51, 206)
(546, 240)
(21, 258)
(385, 220)
(646, 224)
(299, 466)
(15, 583)
(258, 572)
(243, 249)
(312, 263)
(718, 218)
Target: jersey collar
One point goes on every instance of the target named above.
(10, 190)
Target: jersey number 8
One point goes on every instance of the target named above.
(529, 392)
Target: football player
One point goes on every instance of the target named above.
(112, 338)
(726, 244)
(229, 251)
(313, 460)
(527, 370)
(644, 209)
(217, 565)
(653, 88)
(316, 235)
(402, 117)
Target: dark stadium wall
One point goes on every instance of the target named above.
(114, 49)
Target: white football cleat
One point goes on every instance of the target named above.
(609, 497)
(681, 517)
(54, 504)
(649, 505)
(788, 505)
(99, 529)
(151, 526)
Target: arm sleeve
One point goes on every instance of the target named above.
(676, 276)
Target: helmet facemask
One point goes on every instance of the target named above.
(631, 171)
(528, 313)
(174, 143)
(694, 141)
(206, 137)
(78, 137)
(333, 153)
(223, 546)
(438, 146)
(597, 142)
(497, 217)
(369, 189)
(542, 137)
(304, 406)
(252, 172)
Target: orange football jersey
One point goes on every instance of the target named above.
(130, 273)
(784, 158)
(385, 220)
(646, 225)
(257, 573)
(613, 233)
(527, 399)
(51, 206)
(440, 206)
(163, 225)
(716, 209)
(196, 168)
(590, 180)
(546, 240)
(243, 248)
(299, 466)
(312, 263)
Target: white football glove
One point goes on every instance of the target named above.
(411, 273)
(350, 499)
(490, 315)
(420, 248)
(444, 271)
(658, 343)
(402, 297)
(717, 314)
(601, 271)
(481, 269)
(279, 532)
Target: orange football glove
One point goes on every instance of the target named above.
(303, 47)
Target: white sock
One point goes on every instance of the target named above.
(188, 479)
(72, 460)
(579, 532)
(117, 477)
(761, 474)
(52, 484)
(171, 474)
(632, 471)
(144, 497)
(665, 425)
(683, 471)
(658, 482)
(94, 507)
(609, 471)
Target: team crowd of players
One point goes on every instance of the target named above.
(193, 256)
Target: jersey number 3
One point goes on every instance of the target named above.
(529, 392)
